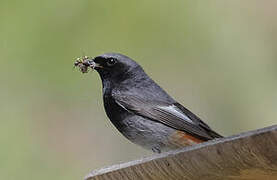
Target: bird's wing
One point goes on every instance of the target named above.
(173, 115)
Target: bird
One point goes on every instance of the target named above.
(143, 111)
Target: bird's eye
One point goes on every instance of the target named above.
(111, 62)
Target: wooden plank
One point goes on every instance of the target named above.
(247, 156)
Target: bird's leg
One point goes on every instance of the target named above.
(156, 149)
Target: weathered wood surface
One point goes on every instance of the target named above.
(248, 156)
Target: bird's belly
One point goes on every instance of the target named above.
(150, 134)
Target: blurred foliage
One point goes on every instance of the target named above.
(218, 58)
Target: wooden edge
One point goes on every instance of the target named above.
(96, 174)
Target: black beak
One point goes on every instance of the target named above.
(91, 63)
(85, 62)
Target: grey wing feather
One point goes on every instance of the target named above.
(172, 115)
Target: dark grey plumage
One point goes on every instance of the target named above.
(141, 110)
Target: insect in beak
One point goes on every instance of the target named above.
(85, 62)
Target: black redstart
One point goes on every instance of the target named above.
(140, 109)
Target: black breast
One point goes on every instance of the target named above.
(115, 112)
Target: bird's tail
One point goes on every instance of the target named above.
(214, 134)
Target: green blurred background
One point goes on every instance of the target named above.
(218, 58)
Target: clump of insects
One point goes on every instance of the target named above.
(83, 63)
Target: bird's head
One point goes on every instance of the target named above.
(113, 66)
